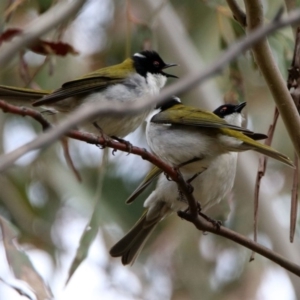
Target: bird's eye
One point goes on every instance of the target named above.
(156, 63)
(223, 109)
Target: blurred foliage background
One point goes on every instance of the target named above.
(41, 197)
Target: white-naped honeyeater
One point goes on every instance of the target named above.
(135, 79)
(210, 184)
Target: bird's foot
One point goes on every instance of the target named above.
(105, 137)
(216, 223)
(128, 144)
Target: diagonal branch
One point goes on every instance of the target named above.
(204, 225)
(267, 65)
(238, 14)
(191, 215)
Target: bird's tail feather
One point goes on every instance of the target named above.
(269, 151)
(132, 243)
(20, 96)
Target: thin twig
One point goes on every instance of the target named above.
(294, 201)
(66, 149)
(290, 6)
(206, 226)
(293, 84)
(262, 166)
(238, 14)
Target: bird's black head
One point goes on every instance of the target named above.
(169, 103)
(150, 62)
(228, 109)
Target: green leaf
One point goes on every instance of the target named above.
(91, 229)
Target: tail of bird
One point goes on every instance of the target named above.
(21, 96)
(266, 150)
(132, 243)
(249, 143)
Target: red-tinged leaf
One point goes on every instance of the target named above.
(21, 264)
(57, 48)
(8, 34)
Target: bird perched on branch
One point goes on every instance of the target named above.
(212, 179)
(135, 79)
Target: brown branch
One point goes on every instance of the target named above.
(67, 155)
(268, 67)
(25, 111)
(96, 140)
(293, 84)
(238, 14)
(262, 166)
(192, 214)
(204, 225)
(290, 6)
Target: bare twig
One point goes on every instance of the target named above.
(24, 111)
(294, 201)
(238, 14)
(91, 111)
(57, 14)
(204, 225)
(290, 6)
(66, 149)
(268, 67)
(262, 166)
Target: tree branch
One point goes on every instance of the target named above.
(91, 111)
(277, 85)
(191, 216)
(204, 225)
(237, 12)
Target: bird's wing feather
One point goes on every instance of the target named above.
(153, 173)
(94, 81)
(74, 89)
(190, 116)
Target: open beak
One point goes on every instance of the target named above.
(169, 66)
(240, 107)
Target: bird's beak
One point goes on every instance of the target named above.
(169, 66)
(240, 107)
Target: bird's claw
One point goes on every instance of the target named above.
(216, 223)
(128, 144)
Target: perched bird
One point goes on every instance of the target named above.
(135, 79)
(179, 134)
(212, 185)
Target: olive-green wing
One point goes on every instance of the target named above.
(153, 174)
(97, 80)
(191, 116)
(16, 93)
